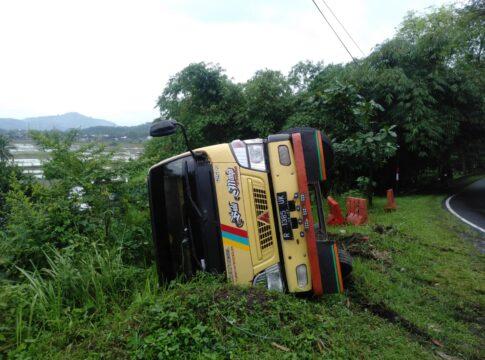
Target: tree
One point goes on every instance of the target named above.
(207, 102)
(303, 73)
(367, 153)
(268, 102)
(75, 208)
(429, 79)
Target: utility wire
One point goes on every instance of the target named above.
(343, 27)
(331, 27)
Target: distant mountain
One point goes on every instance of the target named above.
(63, 122)
(11, 124)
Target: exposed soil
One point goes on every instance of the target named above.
(359, 245)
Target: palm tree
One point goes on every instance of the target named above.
(5, 154)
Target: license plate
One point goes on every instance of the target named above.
(285, 218)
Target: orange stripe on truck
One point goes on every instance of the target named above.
(322, 159)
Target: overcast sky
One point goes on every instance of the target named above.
(110, 59)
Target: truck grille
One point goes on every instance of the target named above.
(264, 228)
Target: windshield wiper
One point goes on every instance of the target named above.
(188, 193)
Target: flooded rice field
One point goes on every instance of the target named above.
(30, 158)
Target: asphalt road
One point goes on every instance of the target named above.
(469, 205)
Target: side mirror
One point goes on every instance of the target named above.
(163, 128)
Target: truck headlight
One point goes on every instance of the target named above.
(301, 275)
(271, 278)
(256, 156)
(249, 153)
(240, 152)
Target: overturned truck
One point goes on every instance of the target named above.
(252, 209)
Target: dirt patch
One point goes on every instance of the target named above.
(384, 312)
(257, 297)
(254, 298)
(359, 245)
(347, 240)
(473, 315)
(427, 282)
(393, 317)
(384, 229)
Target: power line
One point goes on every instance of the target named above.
(331, 27)
(343, 27)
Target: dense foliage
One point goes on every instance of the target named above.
(427, 83)
(85, 200)
(9, 175)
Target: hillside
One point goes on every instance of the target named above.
(62, 122)
(11, 124)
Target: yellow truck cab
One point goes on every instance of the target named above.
(252, 209)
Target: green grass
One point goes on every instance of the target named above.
(422, 270)
(434, 278)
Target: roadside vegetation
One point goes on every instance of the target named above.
(76, 274)
(417, 289)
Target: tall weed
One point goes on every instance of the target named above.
(82, 285)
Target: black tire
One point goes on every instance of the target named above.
(345, 261)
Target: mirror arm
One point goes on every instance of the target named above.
(186, 139)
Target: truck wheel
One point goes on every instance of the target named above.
(345, 261)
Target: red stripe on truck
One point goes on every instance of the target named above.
(234, 230)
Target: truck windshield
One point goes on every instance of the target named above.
(184, 217)
(174, 209)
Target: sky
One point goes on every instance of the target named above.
(111, 59)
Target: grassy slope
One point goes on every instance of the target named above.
(435, 278)
(421, 270)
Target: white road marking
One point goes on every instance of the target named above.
(447, 203)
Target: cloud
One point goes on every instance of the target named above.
(111, 59)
